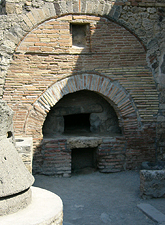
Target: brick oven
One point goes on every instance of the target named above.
(81, 87)
(83, 120)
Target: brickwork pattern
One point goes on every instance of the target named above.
(119, 98)
(145, 19)
(145, 96)
(48, 48)
(54, 158)
(46, 67)
(140, 19)
(113, 155)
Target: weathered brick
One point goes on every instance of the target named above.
(110, 51)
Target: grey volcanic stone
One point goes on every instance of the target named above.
(152, 183)
(14, 203)
(46, 208)
(84, 142)
(15, 179)
(153, 166)
(6, 116)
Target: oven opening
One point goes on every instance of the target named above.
(77, 123)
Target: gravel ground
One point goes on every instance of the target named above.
(93, 198)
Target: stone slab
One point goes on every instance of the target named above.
(46, 209)
(152, 213)
(84, 142)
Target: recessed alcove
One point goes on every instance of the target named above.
(83, 159)
(79, 34)
(81, 112)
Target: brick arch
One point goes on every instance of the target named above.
(109, 89)
(106, 9)
(52, 10)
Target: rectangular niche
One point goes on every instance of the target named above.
(83, 158)
(79, 34)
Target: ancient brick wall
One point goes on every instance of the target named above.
(125, 43)
(47, 55)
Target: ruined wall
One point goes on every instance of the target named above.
(144, 19)
(47, 54)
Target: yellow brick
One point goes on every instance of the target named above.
(31, 17)
(41, 14)
(65, 18)
(27, 21)
(45, 39)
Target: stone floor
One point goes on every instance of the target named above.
(93, 198)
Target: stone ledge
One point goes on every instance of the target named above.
(152, 213)
(84, 142)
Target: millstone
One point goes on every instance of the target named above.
(15, 179)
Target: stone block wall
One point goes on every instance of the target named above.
(126, 45)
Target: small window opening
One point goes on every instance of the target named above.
(77, 123)
(78, 32)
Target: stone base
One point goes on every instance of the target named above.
(46, 208)
(152, 183)
(54, 157)
(14, 203)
